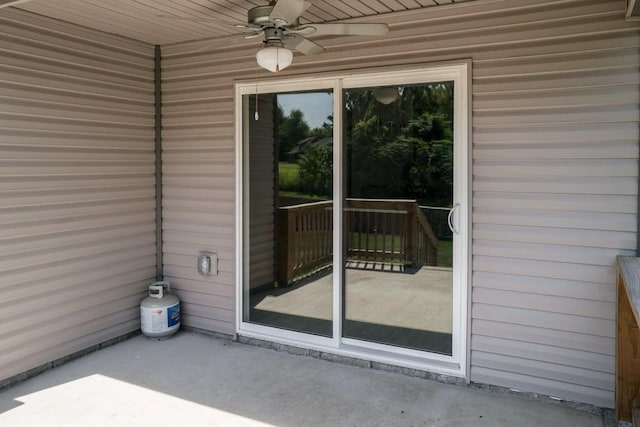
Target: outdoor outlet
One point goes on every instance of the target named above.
(208, 263)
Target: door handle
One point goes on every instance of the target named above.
(450, 218)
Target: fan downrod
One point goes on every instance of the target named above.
(259, 17)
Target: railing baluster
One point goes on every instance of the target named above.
(385, 256)
(374, 228)
(305, 236)
(299, 248)
(313, 227)
(393, 232)
(376, 231)
(359, 223)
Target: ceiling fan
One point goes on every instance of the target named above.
(279, 24)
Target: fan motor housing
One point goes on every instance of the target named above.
(259, 17)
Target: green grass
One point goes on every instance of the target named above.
(288, 176)
(297, 195)
(445, 253)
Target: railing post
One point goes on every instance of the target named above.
(294, 241)
(411, 231)
(286, 251)
(283, 243)
(429, 242)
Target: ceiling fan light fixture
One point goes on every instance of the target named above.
(386, 95)
(274, 58)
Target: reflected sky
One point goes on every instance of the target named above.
(315, 106)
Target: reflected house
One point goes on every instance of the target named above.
(294, 154)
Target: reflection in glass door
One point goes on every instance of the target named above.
(353, 229)
(288, 225)
(398, 178)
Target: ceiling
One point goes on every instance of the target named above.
(151, 20)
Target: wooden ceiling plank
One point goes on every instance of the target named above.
(410, 4)
(80, 16)
(427, 3)
(146, 18)
(376, 6)
(230, 12)
(344, 7)
(322, 15)
(363, 8)
(142, 19)
(154, 11)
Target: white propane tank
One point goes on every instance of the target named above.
(160, 311)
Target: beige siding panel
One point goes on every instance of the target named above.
(557, 219)
(561, 202)
(553, 253)
(507, 375)
(584, 185)
(545, 353)
(565, 376)
(532, 334)
(544, 319)
(29, 355)
(544, 269)
(546, 287)
(548, 303)
(262, 227)
(77, 234)
(554, 144)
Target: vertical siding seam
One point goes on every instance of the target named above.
(158, 158)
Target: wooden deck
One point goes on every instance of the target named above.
(392, 232)
(407, 309)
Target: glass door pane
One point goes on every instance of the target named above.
(288, 208)
(398, 286)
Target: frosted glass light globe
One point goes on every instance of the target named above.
(274, 58)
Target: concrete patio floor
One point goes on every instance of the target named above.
(193, 379)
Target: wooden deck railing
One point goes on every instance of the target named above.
(305, 240)
(378, 231)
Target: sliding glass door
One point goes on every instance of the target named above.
(398, 150)
(352, 214)
(288, 213)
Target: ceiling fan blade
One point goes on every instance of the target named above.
(253, 34)
(347, 29)
(301, 44)
(287, 11)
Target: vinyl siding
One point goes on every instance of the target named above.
(554, 174)
(77, 233)
(199, 201)
(262, 193)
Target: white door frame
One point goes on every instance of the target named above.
(457, 363)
